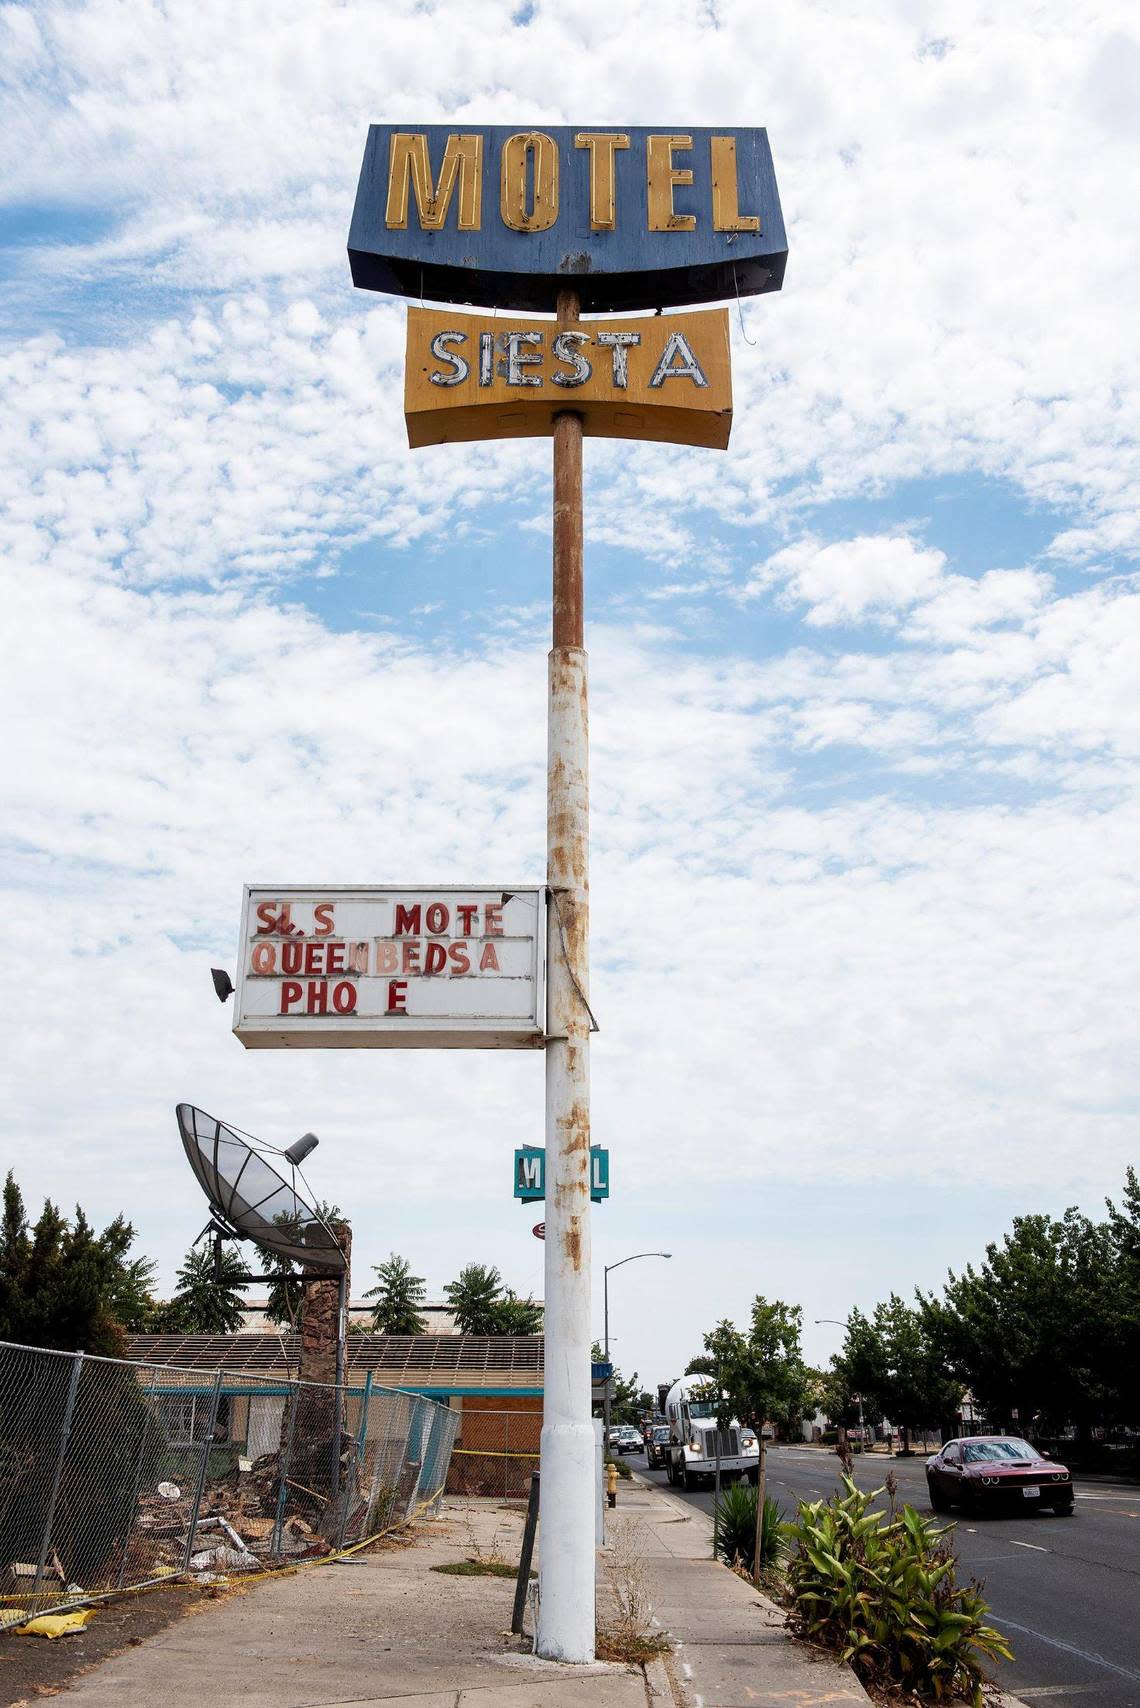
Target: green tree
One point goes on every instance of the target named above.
(513, 1315)
(64, 1285)
(763, 1371)
(894, 1364)
(1031, 1331)
(399, 1295)
(286, 1289)
(626, 1397)
(1124, 1232)
(473, 1297)
(209, 1298)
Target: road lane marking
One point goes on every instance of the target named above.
(1068, 1648)
(1060, 1689)
(1036, 1548)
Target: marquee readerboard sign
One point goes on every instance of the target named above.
(447, 968)
(632, 218)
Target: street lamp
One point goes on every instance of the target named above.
(606, 1303)
(857, 1397)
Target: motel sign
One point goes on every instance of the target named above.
(632, 218)
(341, 968)
(530, 1173)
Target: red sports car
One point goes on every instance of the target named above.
(980, 1472)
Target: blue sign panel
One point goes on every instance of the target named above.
(635, 218)
(530, 1173)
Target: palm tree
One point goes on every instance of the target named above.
(517, 1316)
(209, 1297)
(398, 1295)
(474, 1296)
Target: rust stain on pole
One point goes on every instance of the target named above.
(569, 625)
(566, 1607)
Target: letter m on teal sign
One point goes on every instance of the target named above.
(530, 1173)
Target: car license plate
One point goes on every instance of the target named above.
(1031, 1494)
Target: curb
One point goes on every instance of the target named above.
(657, 1686)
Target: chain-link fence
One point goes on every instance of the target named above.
(495, 1452)
(114, 1474)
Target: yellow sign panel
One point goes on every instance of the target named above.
(662, 377)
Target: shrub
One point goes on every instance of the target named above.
(880, 1589)
(620, 1466)
(734, 1526)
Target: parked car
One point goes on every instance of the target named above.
(979, 1473)
(656, 1448)
(629, 1439)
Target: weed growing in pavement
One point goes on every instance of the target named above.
(485, 1553)
(627, 1637)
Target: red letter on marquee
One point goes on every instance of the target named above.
(407, 920)
(397, 996)
(290, 993)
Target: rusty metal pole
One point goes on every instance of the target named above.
(567, 1494)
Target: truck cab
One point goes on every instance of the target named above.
(696, 1443)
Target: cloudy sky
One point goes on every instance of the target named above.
(865, 705)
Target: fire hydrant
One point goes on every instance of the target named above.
(611, 1484)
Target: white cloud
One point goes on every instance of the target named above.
(853, 904)
(871, 577)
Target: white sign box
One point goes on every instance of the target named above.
(344, 968)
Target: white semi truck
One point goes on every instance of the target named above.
(690, 1411)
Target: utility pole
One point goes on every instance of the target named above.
(636, 1257)
(566, 1620)
(607, 1391)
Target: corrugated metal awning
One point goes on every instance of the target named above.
(399, 1360)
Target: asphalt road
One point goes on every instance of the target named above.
(1066, 1591)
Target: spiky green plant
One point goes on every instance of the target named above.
(734, 1524)
(880, 1588)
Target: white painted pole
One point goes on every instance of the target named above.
(567, 1495)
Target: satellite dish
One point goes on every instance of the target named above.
(250, 1196)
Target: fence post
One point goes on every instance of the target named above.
(149, 1395)
(201, 1488)
(415, 1443)
(523, 1582)
(64, 1437)
(352, 1480)
(284, 1458)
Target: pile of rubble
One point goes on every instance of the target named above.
(239, 1527)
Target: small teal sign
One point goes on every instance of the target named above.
(530, 1173)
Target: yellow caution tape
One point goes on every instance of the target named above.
(489, 1453)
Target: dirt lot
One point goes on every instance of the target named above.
(34, 1667)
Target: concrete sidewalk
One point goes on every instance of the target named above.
(382, 1627)
(730, 1645)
